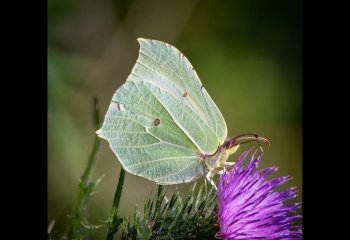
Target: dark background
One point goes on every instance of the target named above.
(246, 53)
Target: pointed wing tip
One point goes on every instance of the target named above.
(99, 133)
(140, 40)
(151, 41)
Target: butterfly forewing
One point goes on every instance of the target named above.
(165, 66)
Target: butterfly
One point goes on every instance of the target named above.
(163, 125)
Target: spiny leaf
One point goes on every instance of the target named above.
(192, 216)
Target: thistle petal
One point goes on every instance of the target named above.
(251, 208)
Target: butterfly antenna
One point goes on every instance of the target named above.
(247, 138)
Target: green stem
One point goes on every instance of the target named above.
(86, 177)
(78, 219)
(114, 221)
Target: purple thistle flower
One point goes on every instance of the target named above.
(249, 208)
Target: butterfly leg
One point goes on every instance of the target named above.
(209, 178)
(220, 166)
(229, 164)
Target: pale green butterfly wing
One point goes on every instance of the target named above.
(163, 87)
(161, 153)
(166, 67)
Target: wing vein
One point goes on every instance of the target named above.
(193, 104)
(140, 98)
(168, 175)
(140, 146)
(159, 160)
(181, 127)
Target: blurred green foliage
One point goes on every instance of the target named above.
(246, 53)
